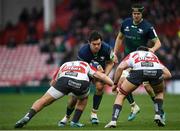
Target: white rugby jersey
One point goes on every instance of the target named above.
(139, 60)
(79, 70)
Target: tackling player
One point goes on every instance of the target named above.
(72, 77)
(145, 67)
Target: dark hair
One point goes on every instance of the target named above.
(137, 7)
(94, 35)
(143, 48)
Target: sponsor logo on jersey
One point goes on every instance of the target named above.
(146, 59)
(73, 68)
(140, 31)
(127, 28)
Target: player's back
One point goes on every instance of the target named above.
(79, 70)
(140, 60)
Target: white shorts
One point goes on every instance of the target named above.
(55, 93)
(125, 73)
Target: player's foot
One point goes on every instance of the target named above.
(163, 116)
(159, 120)
(94, 118)
(134, 111)
(63, 122)
(111, 124)
(21, 122)
(73, 124)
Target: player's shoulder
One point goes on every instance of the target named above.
(105, 46)
(84, 49)
(85, 46)
(146, 23)
(127, 20)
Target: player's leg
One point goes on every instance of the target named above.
(125, 88)
(81, 104)
(69, 110)
(96, 101)
(149, 90)
(50, 96)
(134, 107)
(159, 98)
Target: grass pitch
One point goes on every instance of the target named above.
(14, 106)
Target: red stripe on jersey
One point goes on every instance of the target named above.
(134, 55)
(55, 74)
(93, 68)
(126, 58)
(83, 63)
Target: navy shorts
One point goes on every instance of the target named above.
(68, 85)
(137, 77)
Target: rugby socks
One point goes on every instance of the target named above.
(96, 101)
(159, 106)
(77, 115)
(153, 99)
(30, 114)
(69, 111)
(116, 111)
(130, 98)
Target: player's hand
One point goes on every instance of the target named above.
(99, 68)
(151, 50)
(114, 87)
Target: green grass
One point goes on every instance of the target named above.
(14, 106)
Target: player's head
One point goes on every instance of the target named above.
(143, 48)
(137, 11)
(95, 40)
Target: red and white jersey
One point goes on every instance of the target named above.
(139, 60)
(79, 70)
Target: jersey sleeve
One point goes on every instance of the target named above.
(127, 59)
(152, 33)
(55, 74)
(122, 28)
(108, 52)
(80, 55)
(92, 70)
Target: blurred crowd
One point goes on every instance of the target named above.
(69, 33)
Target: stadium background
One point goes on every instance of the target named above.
(36, 36)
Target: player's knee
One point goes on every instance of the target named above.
(99, 87)
(72, 102)
(149, 90)
(158, 88)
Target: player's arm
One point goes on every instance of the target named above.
(93, 72)
(122, 66)
(109, 66)
(154, 38)
(103, 77)
(157, 45)
(118, 44)
(166, 73)
(53, 81)
(110, 63)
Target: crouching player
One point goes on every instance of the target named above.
(145, 67)
(71, 77)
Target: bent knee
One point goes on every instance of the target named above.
(159, 87)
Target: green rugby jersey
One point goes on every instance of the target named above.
(136, 35)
